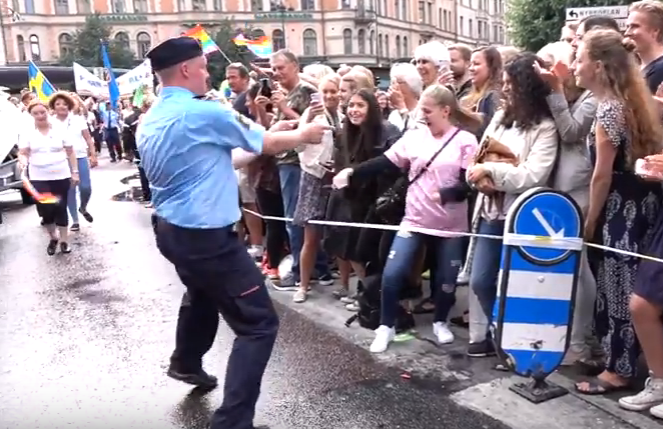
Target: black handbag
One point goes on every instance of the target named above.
(390, 206)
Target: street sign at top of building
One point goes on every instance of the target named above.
(618, 13)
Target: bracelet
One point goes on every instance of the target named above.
(74, 171)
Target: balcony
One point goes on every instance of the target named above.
(363, 16)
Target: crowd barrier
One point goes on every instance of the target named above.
(533, 313)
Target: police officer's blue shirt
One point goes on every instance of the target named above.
(185, 147)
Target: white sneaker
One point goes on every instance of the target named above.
(650, 396)
(300, 296)
(443, 333)
(255, 251)
(286, 284)
(383, 336)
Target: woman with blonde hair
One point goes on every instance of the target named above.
(573, 110)
(436, 157)
(315, 161)
(67, 115)
(351, 83)
(622, 206)
(508, 53)
(486, 75)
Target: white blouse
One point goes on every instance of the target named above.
(48, 158)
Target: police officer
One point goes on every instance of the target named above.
(185, 146)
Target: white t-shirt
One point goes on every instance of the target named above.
(48, 159)
(73, 128)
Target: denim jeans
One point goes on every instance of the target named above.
(84, 189)
(289, 176)
(483, 279)
(448, 253)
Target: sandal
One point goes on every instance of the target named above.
(596, 386)
(423, 307)
(52, 245)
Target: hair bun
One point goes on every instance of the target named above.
(628, 44)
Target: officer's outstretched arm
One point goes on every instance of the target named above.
(280, 141)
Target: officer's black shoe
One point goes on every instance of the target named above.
(200, 378)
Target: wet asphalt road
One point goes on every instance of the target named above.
(85, 340)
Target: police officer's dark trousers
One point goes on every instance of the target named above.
(220, 277)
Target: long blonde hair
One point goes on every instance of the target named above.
(620, 75)
(461, 116)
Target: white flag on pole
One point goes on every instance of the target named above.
(135, 78)
(89, 84)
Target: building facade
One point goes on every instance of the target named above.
(368, 32)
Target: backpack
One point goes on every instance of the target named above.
(370, 303)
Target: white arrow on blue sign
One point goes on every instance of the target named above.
(536, 287)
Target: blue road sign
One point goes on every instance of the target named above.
(539, 268)
(547, 214)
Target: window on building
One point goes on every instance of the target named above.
(422, 12)
(439, 18)
(181, 5)
(495, 34)
(83, 6)
(256, 5)
(429, 14)
(346, 4)
(140, 6)
(257, 33)
(387, 51)
(65, 42)
(371, 43)
(29, 6)
(122, 39)
(461, 26)
(470, 27)
(62, 7)
(397, 9)
(20, 48)
(385, 12)
(404, 15)
(397, 42)
(143, 44)
(361, 40)
(347, 41)
(480, 29)
(501, 38)
(380, 45)
(406, 47)
(310, 40)
(308, 4)
(35, 50)
(278, 40)
(371, 5)
(217, 5)
(199, 5)
(119, 6)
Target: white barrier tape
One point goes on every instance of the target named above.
(520, 240)
(564, 243)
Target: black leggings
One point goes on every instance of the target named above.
(276, 237)
(54, 213)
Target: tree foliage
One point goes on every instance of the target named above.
(223, 34)
(534, 23)
(87, 46)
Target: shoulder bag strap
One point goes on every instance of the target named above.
(430, 161)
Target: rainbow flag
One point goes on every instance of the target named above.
(261, 47)
(198, 32)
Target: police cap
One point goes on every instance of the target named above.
(174, 51)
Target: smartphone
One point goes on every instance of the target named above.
(265, 88)
(315, 97)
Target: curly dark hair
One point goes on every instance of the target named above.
(526, 104)
(357, 143)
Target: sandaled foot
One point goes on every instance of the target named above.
(590, 366)
(597, 386)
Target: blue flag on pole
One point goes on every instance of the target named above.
(113, 89)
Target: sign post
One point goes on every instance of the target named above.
(533, 313)
(618, 13)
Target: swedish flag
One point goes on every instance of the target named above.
(38, 83)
